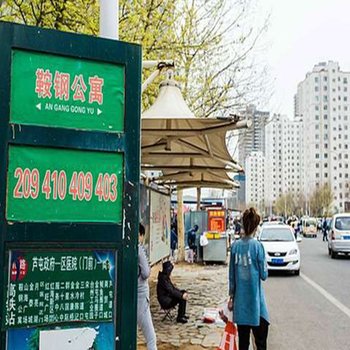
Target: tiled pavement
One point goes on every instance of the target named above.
(208, 288)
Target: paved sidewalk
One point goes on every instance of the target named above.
(208, 288)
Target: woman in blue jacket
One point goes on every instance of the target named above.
(248, 268)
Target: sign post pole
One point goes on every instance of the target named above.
(69, 190)
(109, 19)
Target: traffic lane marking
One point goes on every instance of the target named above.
(327, 295)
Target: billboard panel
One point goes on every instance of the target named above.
(159, 245)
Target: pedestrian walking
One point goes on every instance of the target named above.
(144, 317)
(325, 230)
(237, 227)
(247, 269)
(173, 241)
(191, 241)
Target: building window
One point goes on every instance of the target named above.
(325, 107)
(325, 88)
(345, 80)
(317, 117)
(325, 116)
(316, 79)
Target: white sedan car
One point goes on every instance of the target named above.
(281, 248)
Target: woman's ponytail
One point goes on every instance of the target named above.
(251, 220)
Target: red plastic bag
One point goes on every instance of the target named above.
(229, 338)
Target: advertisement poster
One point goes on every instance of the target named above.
(64, 185)
(88, 337)
(59, 287)
(159, 226)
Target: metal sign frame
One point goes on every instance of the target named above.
(122, 237)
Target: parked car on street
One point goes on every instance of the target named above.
(281, 248)
(339, 235)
(309, 227)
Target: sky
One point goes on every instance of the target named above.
(301, 34)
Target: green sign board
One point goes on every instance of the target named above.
(49, 287)
(70, 107)
(63, 185)
(57, 91)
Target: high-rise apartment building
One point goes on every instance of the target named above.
(249, 141)
(253, 138)
(282, 158)
(255, 180)
(322, 103)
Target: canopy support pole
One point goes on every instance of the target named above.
(198, 198)
(180, 226)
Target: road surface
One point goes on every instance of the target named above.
(311, 311)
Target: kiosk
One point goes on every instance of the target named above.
(216, 249)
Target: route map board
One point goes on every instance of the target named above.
(69, 190)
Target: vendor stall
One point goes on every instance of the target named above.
(216, 248)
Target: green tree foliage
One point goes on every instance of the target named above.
(214, 43)
(79, 16)
(286, 204)
(217, 43)
(321, 200)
